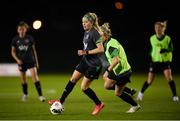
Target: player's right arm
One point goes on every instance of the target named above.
(13, 53)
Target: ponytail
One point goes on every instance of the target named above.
(105, 28)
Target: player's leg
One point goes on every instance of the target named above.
(24, 85)
(126, 96)
(146, 84)
(92, 95)
(76, 76)
(109, 84)
(172, 85)
(37, 83)
(131, 91)
(22, 70)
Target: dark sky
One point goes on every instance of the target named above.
(61, 34)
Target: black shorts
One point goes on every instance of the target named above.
(25, 66)
(120, 79)
(159, 67)
(88, 71)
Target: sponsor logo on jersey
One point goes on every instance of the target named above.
(23, 47)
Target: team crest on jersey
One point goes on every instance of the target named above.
(26, 41)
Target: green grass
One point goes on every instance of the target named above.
(157, 103)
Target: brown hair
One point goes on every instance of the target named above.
(22, 23)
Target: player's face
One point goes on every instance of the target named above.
(21, 31)
(159, 29)
(87, 25)
(105, 37)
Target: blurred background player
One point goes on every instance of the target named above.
(24, 52)
(90, 66)
(119, 71)
(161, 58)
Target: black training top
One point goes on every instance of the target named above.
(91, 38)
(23, 48)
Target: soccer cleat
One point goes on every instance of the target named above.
(133, 109)
(97, 109)
(50, 102)
(41, 98)
(140, 96)
(24, 98)
(175, 98)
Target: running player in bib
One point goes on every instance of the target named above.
(118, 73)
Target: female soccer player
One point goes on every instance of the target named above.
(90, 66)
(119, 71)
(24, 52)
(161, 58)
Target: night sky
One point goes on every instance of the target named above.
(61, 34)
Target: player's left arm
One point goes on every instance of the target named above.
(35, 55)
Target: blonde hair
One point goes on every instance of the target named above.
(105, 28)
(162, 24)
(92, 17)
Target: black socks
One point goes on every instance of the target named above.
(38, 88)
(145, 86)
(173, 87)
(69, 87)
(24, 88)
(91, 94)
(127, 98)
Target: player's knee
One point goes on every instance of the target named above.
(105, 77)
(169, 78)
(118, 93)
(84, 88)
(149, 82)
(107, 86)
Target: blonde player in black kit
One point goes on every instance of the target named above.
(24, 52)
(90, 66)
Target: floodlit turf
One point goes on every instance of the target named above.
(157, 103)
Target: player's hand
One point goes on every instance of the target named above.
(105, 75)
(163, 51)
(19, 62)
(81, 52)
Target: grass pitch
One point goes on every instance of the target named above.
(157, 102)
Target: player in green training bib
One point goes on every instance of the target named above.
(118, 73)
(161, 58)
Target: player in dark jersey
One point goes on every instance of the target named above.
(90, 66)
(24, 52)
(118, 73)
(161, 58)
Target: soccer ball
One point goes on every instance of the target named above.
(57, 108)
